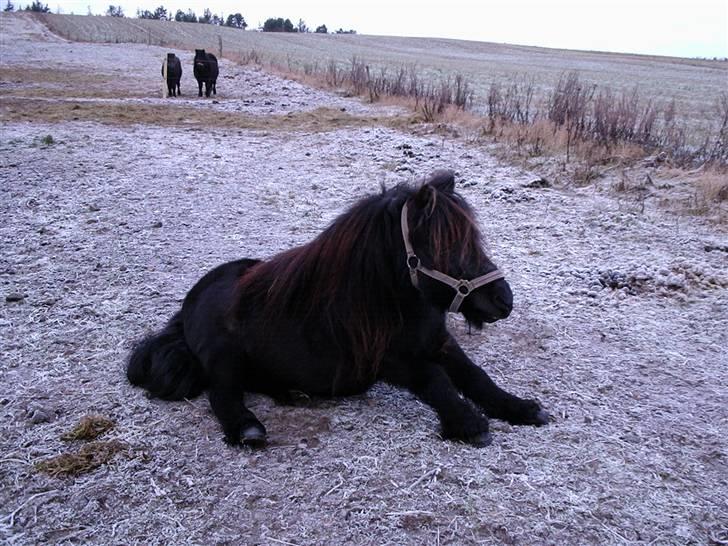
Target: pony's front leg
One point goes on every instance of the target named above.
(476, 385)
(429, 382)
(239, 424)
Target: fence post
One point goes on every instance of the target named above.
(219, 43)
(165, 89)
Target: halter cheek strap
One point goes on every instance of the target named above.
(462, 287)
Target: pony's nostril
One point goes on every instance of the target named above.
(504, 303)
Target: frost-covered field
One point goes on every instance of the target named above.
(695, 84)
(619, 328)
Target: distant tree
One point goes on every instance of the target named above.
(161, 13)
(278, 25)
(183, 17)
(321, 29)
(302, 27)
(37, 6)
(342, 31)
(236, 21)
(218, 20)
(206, 17)
(9, 6)
(273, 25)
(115, 11)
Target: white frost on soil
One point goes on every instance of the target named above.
(620, 329)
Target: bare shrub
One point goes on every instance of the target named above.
(512, 102)
(358, 76)
(568, 106)
(719, 149)
(714, 185)
(462, 94)
(333, 75)
(244, 57)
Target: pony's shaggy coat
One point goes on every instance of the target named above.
(335, 315)
(206, 70)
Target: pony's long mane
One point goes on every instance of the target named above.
(350, 280)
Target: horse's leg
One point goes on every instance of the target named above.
(199, 88)
(429, 382)
(475, 384)
(226, 399)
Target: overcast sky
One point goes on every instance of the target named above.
(689, 28)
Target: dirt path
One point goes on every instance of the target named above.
(619, 329)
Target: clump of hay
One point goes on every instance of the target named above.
(86, 459)
(89, 428)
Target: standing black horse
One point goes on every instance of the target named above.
(206, 71)
(174, 74)
(364, 301)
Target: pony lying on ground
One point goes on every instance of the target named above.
(365, 301)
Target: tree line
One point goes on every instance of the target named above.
(234, 20)
(36, 6)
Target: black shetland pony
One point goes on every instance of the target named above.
(174, 74)
(364, 301)
(206, 71)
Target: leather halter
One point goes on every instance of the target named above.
(462, 287)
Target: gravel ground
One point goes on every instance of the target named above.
(619, 328)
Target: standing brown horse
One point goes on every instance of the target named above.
(364, 301)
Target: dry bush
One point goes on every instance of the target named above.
(614, 121)
(713, 184)
(428, 98)
(245, 57)
(512, 101)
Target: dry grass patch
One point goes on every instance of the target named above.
(89, 457)
(17, 75)
(89, 428)
(50, 83)
(713, 185)
(130, 113)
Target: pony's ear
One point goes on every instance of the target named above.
(426, 198)
(442, 180)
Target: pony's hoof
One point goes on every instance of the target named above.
(254, 436)
(483, 439)
(542, 418)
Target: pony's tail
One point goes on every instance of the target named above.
(163, 364)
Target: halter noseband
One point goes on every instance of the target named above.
(462, 287)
